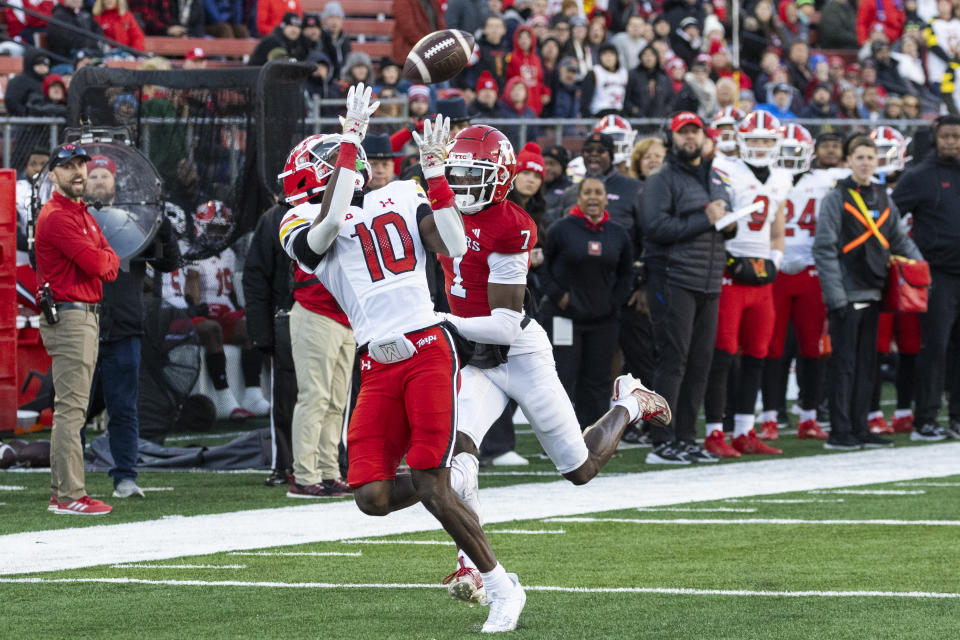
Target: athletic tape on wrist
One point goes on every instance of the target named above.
(439, 192)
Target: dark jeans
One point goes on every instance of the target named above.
(284, 390)
(584, 367)
(853, 335)
(943, 310)
(117, 375)
(685, 329)
(638, 345)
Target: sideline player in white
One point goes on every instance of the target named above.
(746, 317)
(514, 359)
(368, 248)
(797, 297)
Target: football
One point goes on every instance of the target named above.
(438, 56)
(8, 457)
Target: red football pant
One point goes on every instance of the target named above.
(902, 327)
(406, 408)
(223, 316)
(798, 297)
(746, 318)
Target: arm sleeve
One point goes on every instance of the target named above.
(95, 258)
(661, 223)
(508, 268)
(826, 251)
(502, 326)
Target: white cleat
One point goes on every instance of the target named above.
(466, 584)
(653, 407)
(226, 404)
(254, 402)
(505, 612)
(127, 489)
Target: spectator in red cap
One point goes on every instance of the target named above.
(485, 104)
(524, 62)
(118, 22)
(888, 14)
(55, 89)
(684, 97)
(528, 192)
(196, 58)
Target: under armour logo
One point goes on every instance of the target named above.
(384, 203)
(365, 365)
(390, 351)
(476, 232)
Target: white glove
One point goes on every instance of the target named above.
(433, 146)
(794, 266)
(359, 111)
(776, 256)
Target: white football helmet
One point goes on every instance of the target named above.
(796, 149)
(891, 149)
(623, 136)
(759, 125)
(726, 122)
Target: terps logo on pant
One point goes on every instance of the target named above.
(759, 266)
(422, 342)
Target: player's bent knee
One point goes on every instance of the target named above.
(371, 501)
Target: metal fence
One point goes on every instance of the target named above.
(20, 135)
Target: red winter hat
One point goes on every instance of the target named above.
(486, 81)
(530, 158)
(102, 162)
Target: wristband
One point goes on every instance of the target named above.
(440, 193)
(347, 157)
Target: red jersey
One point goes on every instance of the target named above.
(71, 252)
(503, 228)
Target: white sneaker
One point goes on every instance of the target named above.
(254, 402)
(505, 612)
(225, 402)
(653, 407)
(466, 584)
(509, 459)
(127, 489)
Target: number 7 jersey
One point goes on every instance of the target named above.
(376, 266)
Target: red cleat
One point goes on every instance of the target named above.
(809, 429)
(748, 443)
(716, 443)
(879, 425)
(902, 425)
(768, 430)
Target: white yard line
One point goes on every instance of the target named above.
(163, 539)
(928, 484)
(872, 492)
(528, 532)
(777, 521)
(545, 588)
(348, 554)
(428, 543)
(700, 509)
(178, 566)
(785, 500)
(11, 487)
(157, 488)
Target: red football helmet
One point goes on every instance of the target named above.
(212, 218)
(480, 167)
(623, 136)
(726, 122)
(891, 149)
(311, 163)
(759, 125)
(796, 149)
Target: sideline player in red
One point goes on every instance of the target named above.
(797, 296)
(368, 248)
(514, 359)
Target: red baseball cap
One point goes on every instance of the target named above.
(197, 53)
(102, 162)
(684, 118)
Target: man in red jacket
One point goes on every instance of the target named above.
(73, 259)
(887, 15)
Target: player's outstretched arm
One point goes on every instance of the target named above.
(503, 325)
(442, 232)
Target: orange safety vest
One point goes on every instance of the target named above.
(861, 213)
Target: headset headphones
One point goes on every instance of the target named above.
(945, 119)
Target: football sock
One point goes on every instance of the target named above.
(217, 369)
(809, 376)
(716, 395)
(808, 414)
(496, 581)
(467, 562)
(251, 361)
(768, 416)
(751, 372)
(742, 424)
(463, 469)
(714, 426)
(905, 368)
(902, 413)
(632, 405)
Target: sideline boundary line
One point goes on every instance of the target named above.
(775, 521)
(164, 539)
(545, 588)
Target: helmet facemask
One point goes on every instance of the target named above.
(756, 155)
(473, 183)
(794, 156)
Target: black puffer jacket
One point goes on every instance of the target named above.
(24, 86)
(267, 279)
(297, 49)
(63, 42)
(930, 191)
(680, 244)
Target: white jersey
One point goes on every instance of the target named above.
(753, 231)
(376, 266)
(216, 279)
(947, 35)
(803, 210)
(610, 88)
